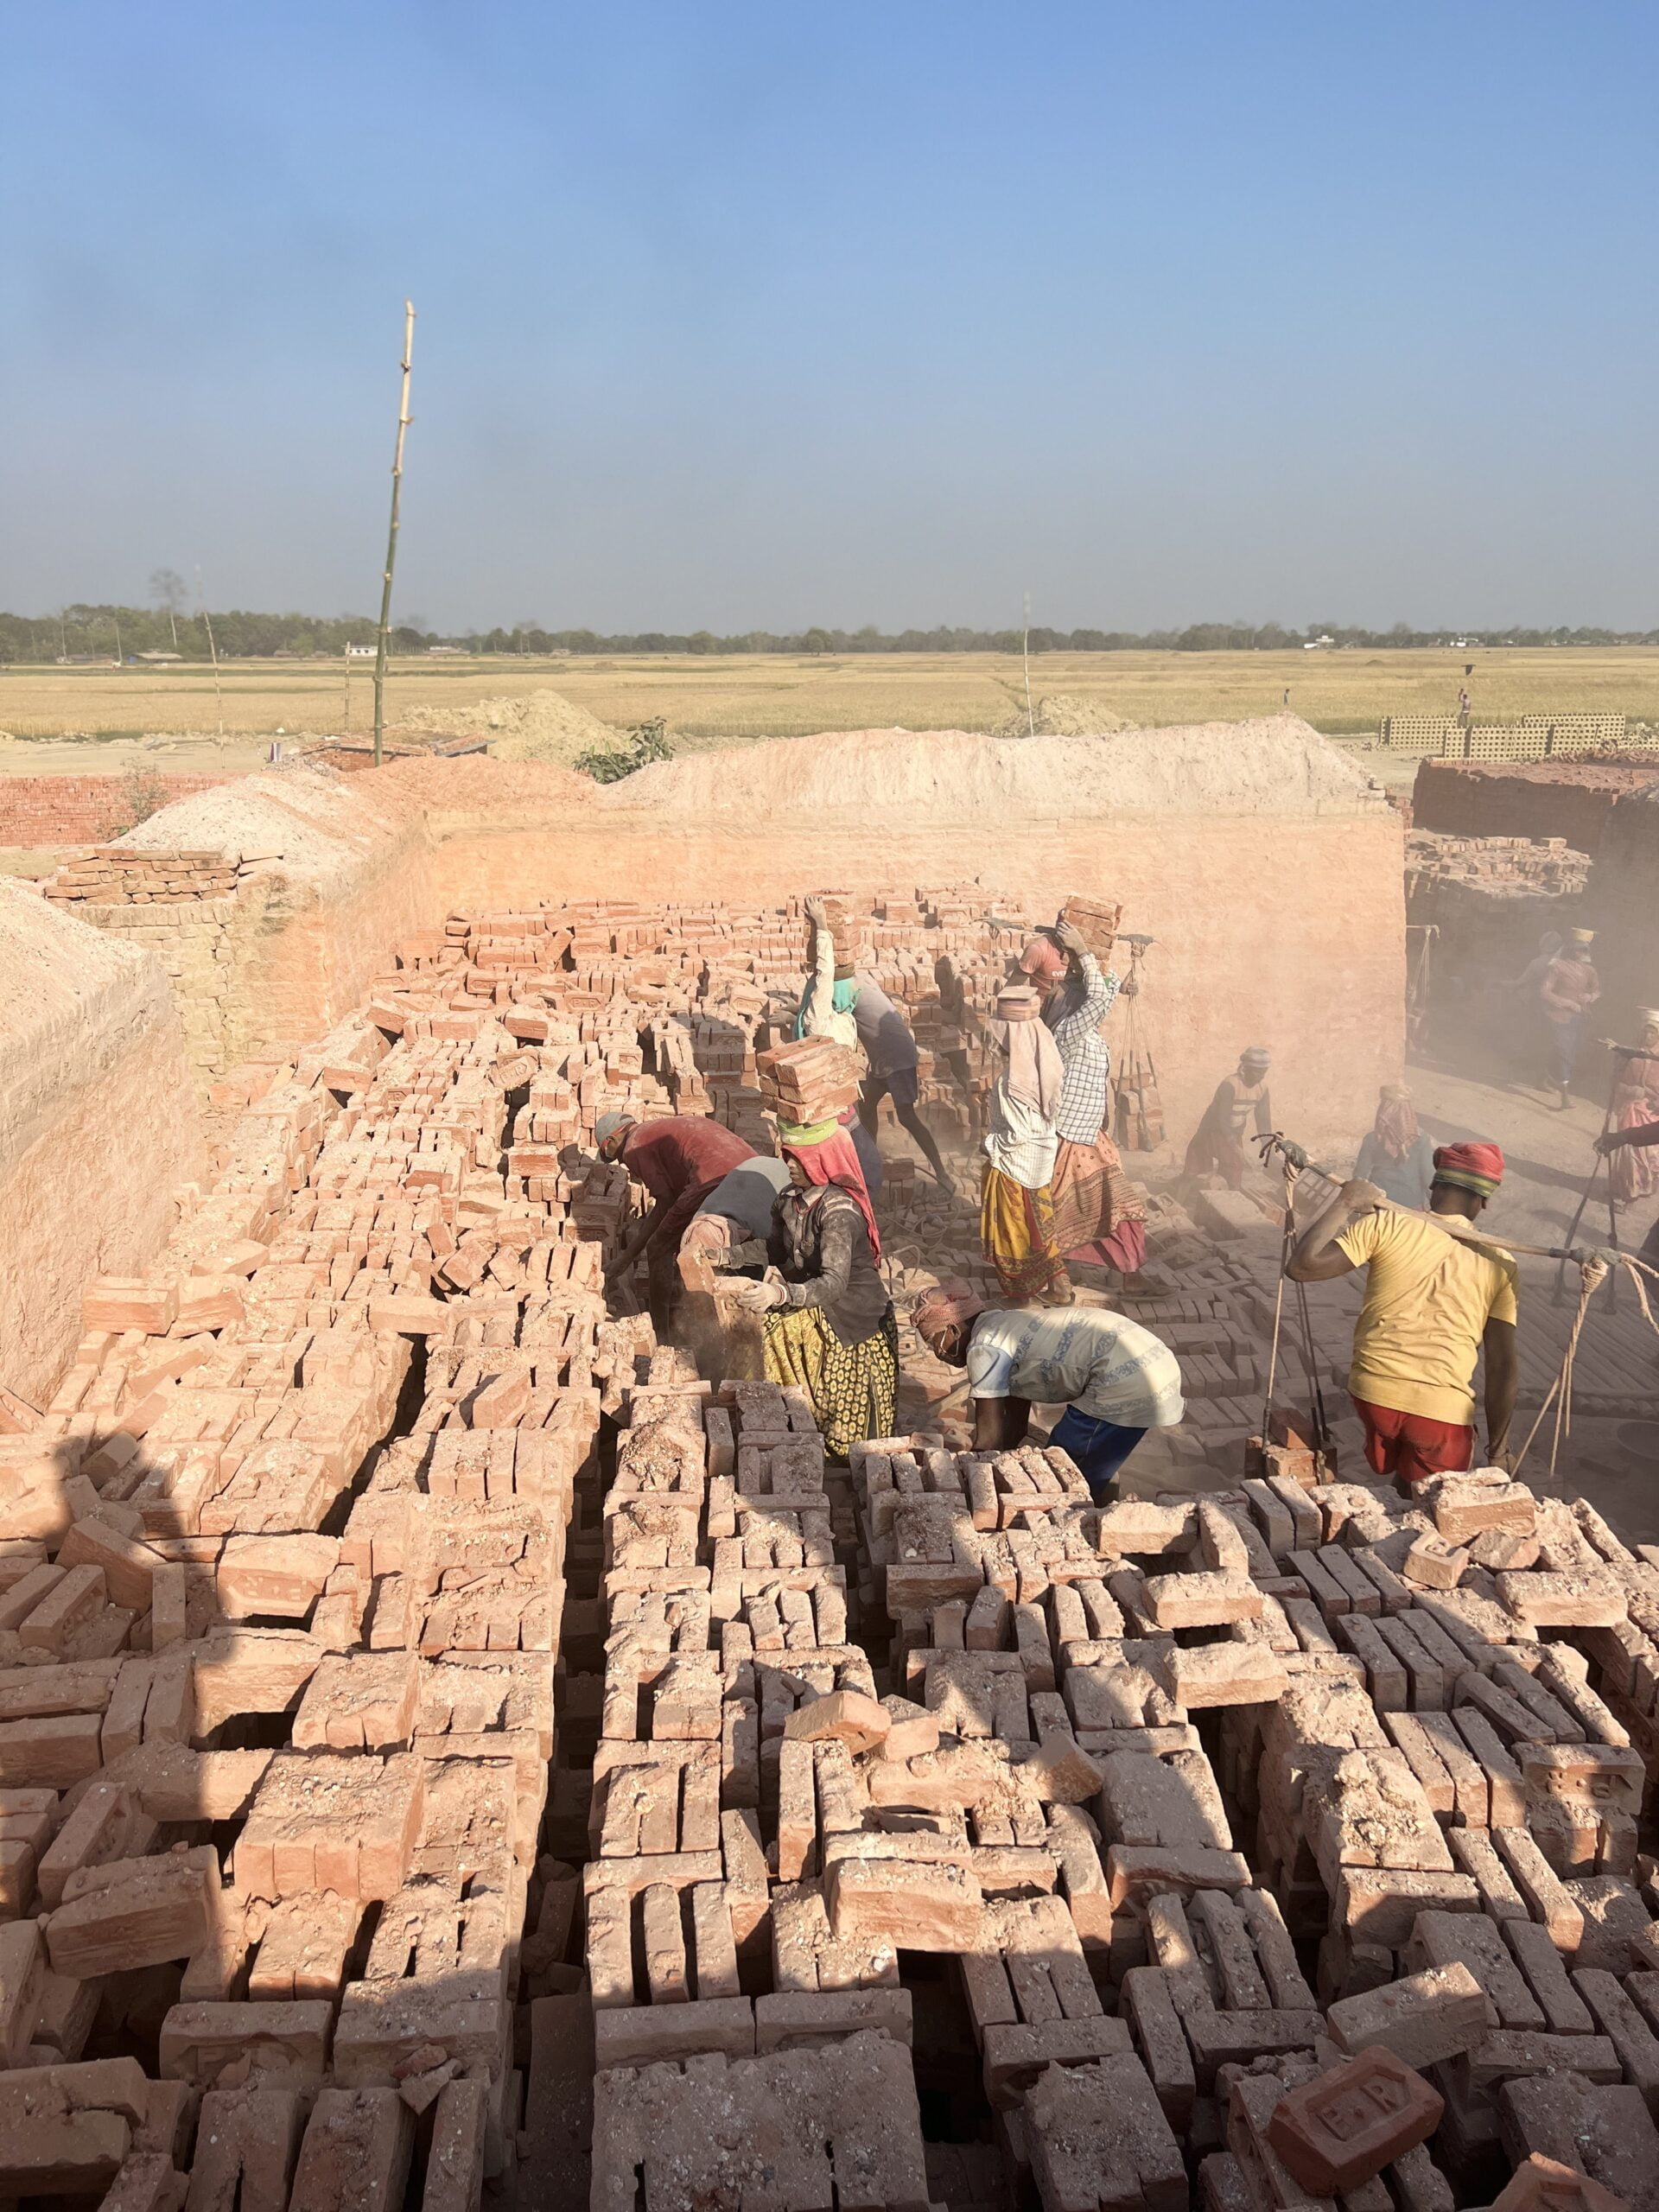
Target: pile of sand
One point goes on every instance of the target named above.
(530, 726)
(1276, 765)
(1060, 714)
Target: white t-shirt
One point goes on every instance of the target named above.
(1106, 1366)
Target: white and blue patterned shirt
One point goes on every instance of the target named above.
(1088, 1061)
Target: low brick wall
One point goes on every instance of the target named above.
(1548, 798)
(83, 810)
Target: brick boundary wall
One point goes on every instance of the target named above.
(81, 810)
(1573, 799)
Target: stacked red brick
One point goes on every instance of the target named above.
(76, 810)
(719, 1985)
(271, 1760)
(123, 875)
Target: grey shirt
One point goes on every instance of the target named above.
(746, 1195)
(882, 1030)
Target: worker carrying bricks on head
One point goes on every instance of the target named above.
(1433, 1305)
(1116, 1379)
(1217, 1146)
(1098, 1221)
(885, 1034)
(681, 1161)
(828, 1007)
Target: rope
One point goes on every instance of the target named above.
(1591, 1275)
(1453, 1226)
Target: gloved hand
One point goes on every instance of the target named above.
(761, 1297)
(1069, 937)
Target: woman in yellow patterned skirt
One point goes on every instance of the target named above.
(830, 1328)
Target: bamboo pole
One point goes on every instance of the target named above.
(213, 651)
(391, 538)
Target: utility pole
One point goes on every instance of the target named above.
(212, 651)
(391, 538)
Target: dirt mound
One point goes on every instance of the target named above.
(1279, 765)
(532, 725)
(1060, 714)
(524, 791)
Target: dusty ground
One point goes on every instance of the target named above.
(707, 700)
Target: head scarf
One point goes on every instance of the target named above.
(607, 1125)
(831, 1158)
(1477, 1168)
(1648, 1016)
(946, 1306)
(1581, 940)
(1550, 943)
(1036, 1073)
(1043, 961)
(1395, 1126)
(1256, 1057)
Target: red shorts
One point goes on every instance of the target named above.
(1413, 1447)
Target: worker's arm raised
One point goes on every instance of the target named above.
(1499, 1347)
(1317, 1256)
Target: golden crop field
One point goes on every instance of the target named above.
(709, 701)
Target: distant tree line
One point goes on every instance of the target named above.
(83, 630)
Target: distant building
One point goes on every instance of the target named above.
(360, 652)
(446, 649)
(159, 655)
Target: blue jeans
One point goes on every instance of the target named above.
(1099, 1447)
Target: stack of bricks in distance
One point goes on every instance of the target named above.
(124, 876)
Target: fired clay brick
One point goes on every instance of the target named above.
(1349, 2123)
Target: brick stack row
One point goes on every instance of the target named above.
(281, 1593)
(747, 2034)
(124, 875)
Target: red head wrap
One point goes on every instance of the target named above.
(1477, 1168)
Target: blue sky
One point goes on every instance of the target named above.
(758, 315)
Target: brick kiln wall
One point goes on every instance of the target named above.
(1269, 930)
(1547, 798)
(97, 1126)
(78, 810)
(1270, 876)
(1623, 904)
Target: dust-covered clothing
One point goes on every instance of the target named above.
(1076, 1026)
(1106, 1366)
(1428, 1298)
(819, 1244)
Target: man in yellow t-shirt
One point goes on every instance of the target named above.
(1433, 1305)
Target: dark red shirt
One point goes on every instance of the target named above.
(679, 1154)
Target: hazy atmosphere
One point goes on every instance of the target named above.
(740, 317)
(829, 1164)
